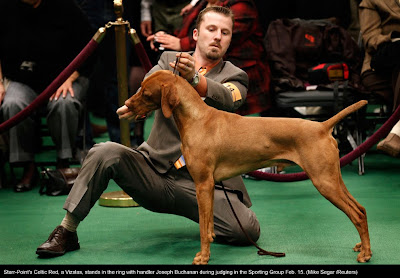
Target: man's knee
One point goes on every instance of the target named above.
(227, 227)
(64, 106)
(107, 154)
(250, 231)
(12, 105)
(105, 150)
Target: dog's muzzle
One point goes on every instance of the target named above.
(139, 118)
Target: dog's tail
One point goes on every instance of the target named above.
(330, 123)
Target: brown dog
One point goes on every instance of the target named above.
(249, 143)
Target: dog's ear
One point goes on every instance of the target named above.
(169, 99)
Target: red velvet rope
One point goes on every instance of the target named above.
(45, 95)
(363, 148)
(144, 59)
(60, 79)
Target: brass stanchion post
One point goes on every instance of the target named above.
(120, 198)
(122, 76)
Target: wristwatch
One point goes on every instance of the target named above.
(195, 80)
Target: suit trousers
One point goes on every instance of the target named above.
(63, 118)
(173, 192)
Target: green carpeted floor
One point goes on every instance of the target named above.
(294, 219)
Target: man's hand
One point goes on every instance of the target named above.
(152, 38)
(167, 41)
(125, 114)
(186, 65)
(63, 90)
(145, 28)
(66, 87)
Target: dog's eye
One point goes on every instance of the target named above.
(146, 94)
(146, 97)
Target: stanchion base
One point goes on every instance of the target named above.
(117, 199)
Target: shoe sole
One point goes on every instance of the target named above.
(50, 254)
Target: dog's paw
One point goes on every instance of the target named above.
(211, 237)
(201, 260)
(357, 248)
(364, 257)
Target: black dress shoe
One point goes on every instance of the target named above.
(22, 187)
(59, 242)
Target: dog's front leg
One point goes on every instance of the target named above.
(205, 200)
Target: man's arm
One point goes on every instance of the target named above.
(370, 24)
(188, 7)
(145, 17)
(225, 90)
(229, 93)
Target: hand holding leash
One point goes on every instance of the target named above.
(185, 64)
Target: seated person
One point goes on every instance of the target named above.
(380, 28)
(40, 39)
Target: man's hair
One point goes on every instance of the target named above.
(216, 9)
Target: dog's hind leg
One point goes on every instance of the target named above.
(328, 181)
(364, 246)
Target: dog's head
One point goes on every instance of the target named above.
(157, 91)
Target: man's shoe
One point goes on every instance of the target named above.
(22, 187)
(390, 145)
(98, 130)
(60, 241)
(29, 179)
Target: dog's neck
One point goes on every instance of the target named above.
(190, 104)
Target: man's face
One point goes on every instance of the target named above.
(214, 35)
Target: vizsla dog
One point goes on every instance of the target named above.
(218, 145)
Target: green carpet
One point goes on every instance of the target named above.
(294, 219)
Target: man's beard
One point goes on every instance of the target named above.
(213, 55)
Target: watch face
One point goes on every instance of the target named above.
(196, 80)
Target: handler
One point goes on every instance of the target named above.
(155, 174)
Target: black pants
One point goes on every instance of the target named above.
(386, 85)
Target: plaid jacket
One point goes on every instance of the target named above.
(246, 50)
